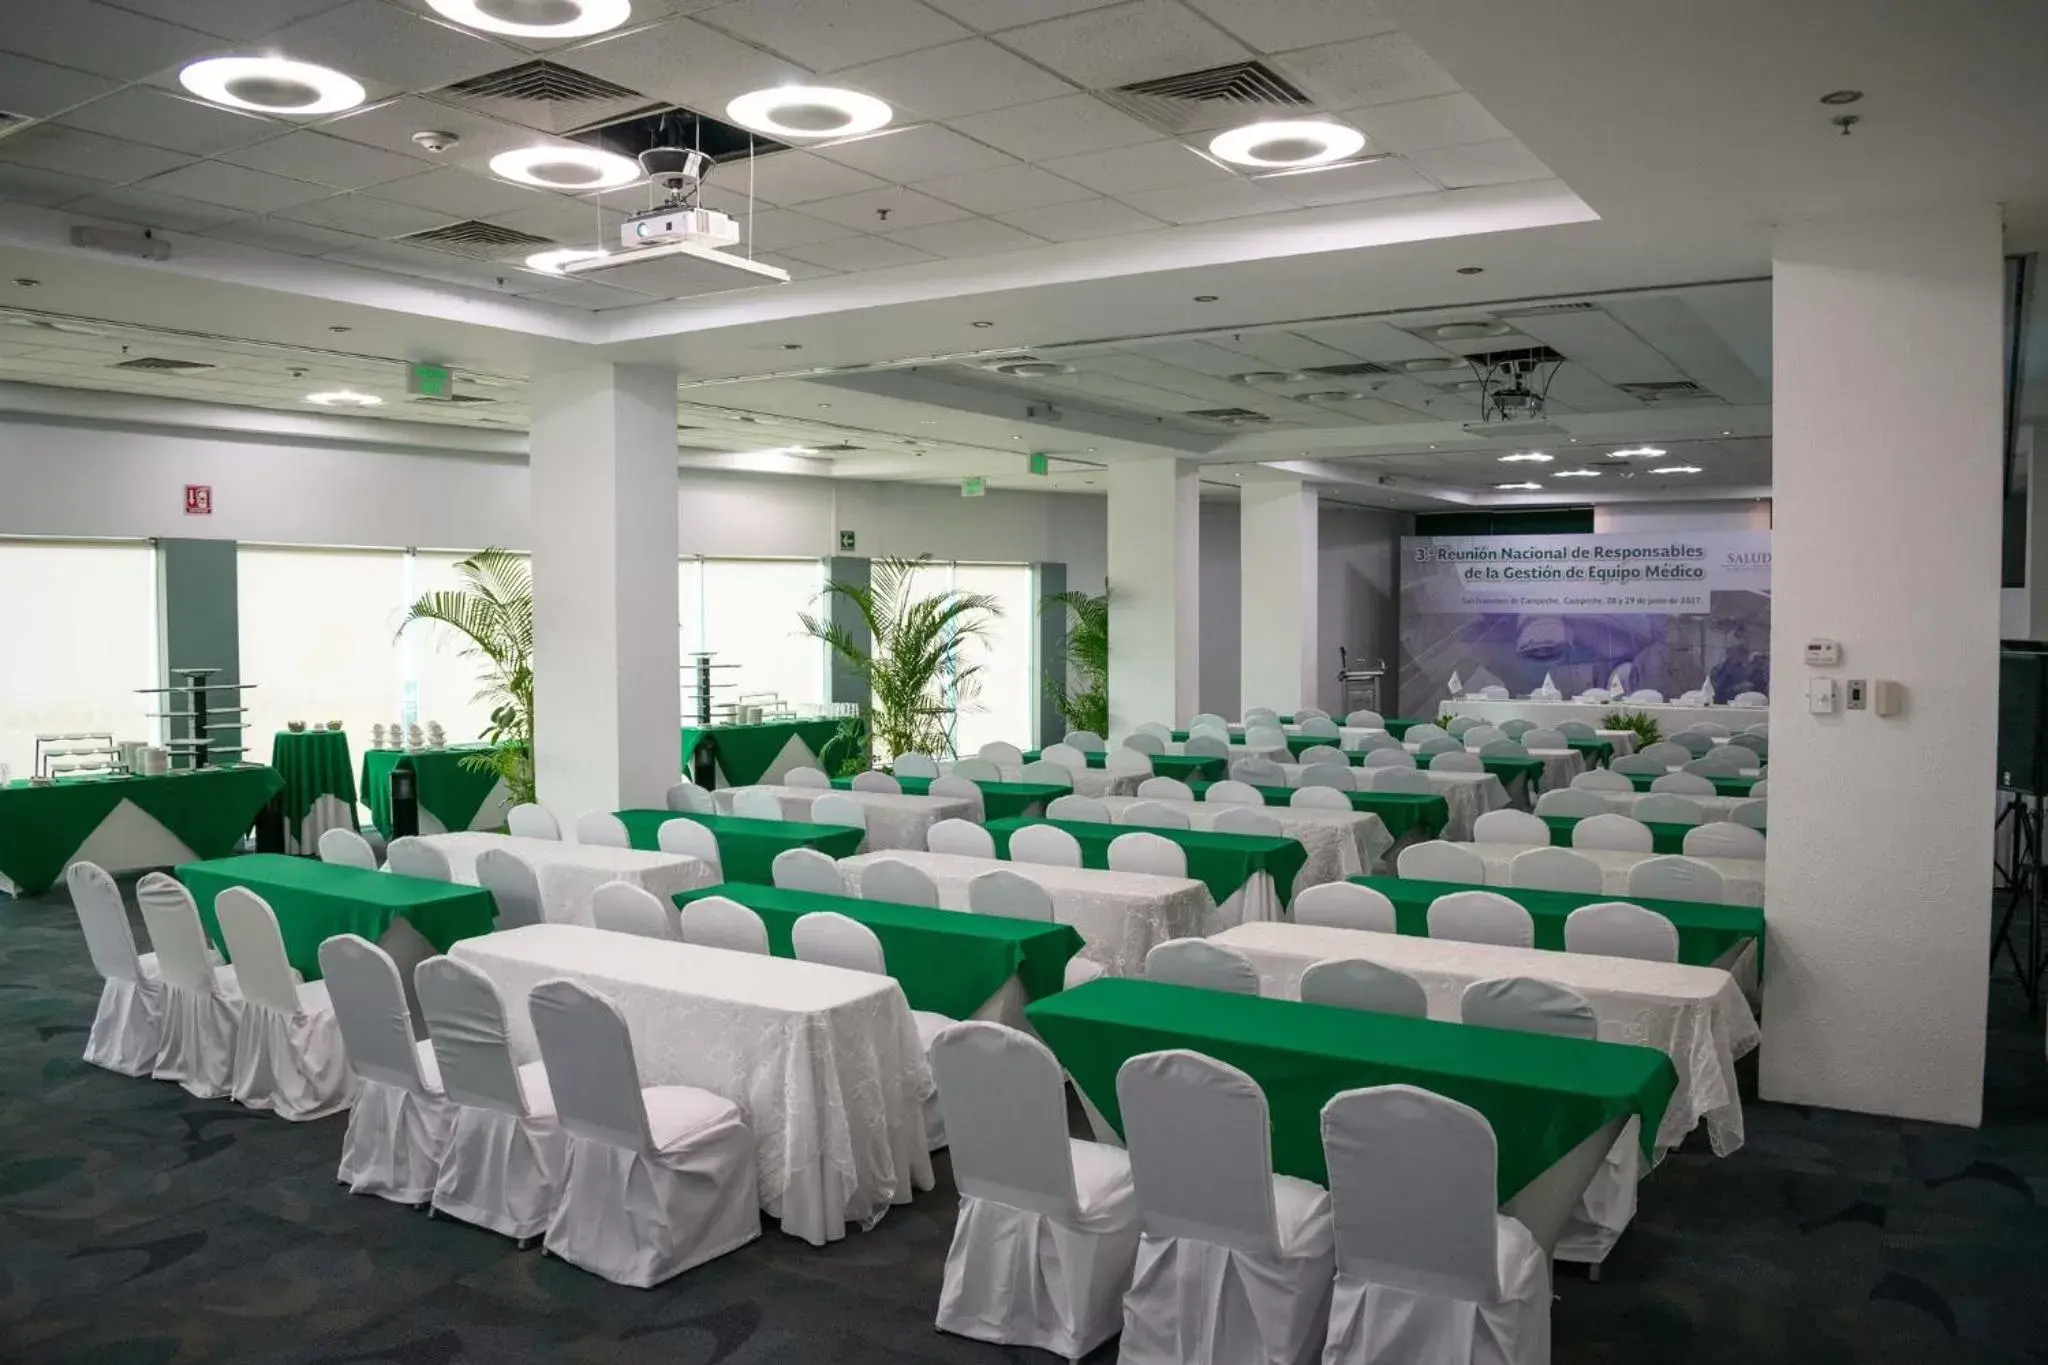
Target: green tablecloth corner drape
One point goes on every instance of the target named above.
(1665, 837)
(745, 752)
(1222, 862)
(449, 789)
(311, 765)
(747, 847)
(1401, 812)
(208, 810)
(1723, 786)
(947, 962)
(1599, 752)
(1543, 1095)
(999, 800)
(1186, 767)
(314, 901)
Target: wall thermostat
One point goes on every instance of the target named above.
(1823, 653)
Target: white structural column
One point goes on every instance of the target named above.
(1886, 484)
(1277, 553)
(607, 686)
(1154, 592)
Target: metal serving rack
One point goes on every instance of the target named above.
(78, 754)
(704, 709)
(198, 748)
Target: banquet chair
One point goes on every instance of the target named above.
(1245, 820)
(961, 837)
(603, 829)
(1479, 736)
(659, 1178)
(976, 770)
(1574, 801)
(1414, 781)
(1147, 744)
(1694, 742)
(1001, 753)
(1320, 727)
(958, 787)
(899, 883)
(1665, 752)
(720, 922)
(1209, 718)
(1729, 760)
(1427, 1268)
(1081, 808)
(1677, 879)
(807, 869)
(624, 908)
(202, 1001)
(1344, 905)
(1128, 761)
(916, 765)
(757, 803)
(1527, 1005)
(1024, 1183)
(1754, 813)
(1235, 1262)
(1645, 696)
(1046, 845)
(816, 779)
(1365, 720)
(690, 799)
(1710, 729)
(1613, 831)
(1155, 814)
(1337, 776)
(1326, 753)
(1211, 728)
(1457, 727)
(1602, 780)
(1750, 699)
(1328, 798)
(876, 781)
(1638, 765)
(289, 1057)
(1049, 773)
(1723, 839)
(1619, 929)
(1389, 758)
(128, 1028)
(1353, 984)
(1198, 962)
(1150, 854)
(1667, 808)
(1515, 729)
(1310, 713)
(1087, 741)
(529, 821)
(1438, 861)
(1426, 732)
(1233, 793)
(346, 848)
(513, 884)
(1258, 772)
(1760, 745)
(1543, 737)
(1157, 729)
(410, 856)
(835, 940)
(1511, 827)
(1759, 789)
(1011, 895)
(1266, 737)
(1501, 748)
(508, 1157)
(403, 1120)
(1066, 755)
(1386, 741)
(1166, 789)
(838, 808)
(689, 839)
(1481, 917)
(1554, 869)
(1206, 746)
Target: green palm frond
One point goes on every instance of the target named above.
(1079, 678)
(491, 618)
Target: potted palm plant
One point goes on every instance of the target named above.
(1080, 678)
(492, 614)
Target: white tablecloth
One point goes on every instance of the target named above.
(1339, 843)
(570, 872)
(1670, 719)
(1743, 877)
(1469, 795)
(893, 821)
(1694, 1015)
(1121, 915)
(1716, 807)
(825, 1064)
(1087, 781)
(1560, 766)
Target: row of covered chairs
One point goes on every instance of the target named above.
(1666, 806)
(1665, 877)
(1605, 928)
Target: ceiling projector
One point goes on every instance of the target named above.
(677, 248)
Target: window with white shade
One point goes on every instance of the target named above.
(78, 638)
(318, 629)
(1002, 700)
(445, 676)
(745, 612)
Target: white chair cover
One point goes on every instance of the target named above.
(959, 787)
(1618, 929)
(1501, 748)
(1682, 784)
(624, 908)
(1389, 758)
(1723, 839)
(1386, 741)
(1166, 789)
(1645, 696)
(1575, 729)
(835, 940)
(1676, 879)
(1638, 765)
(1045, 771)
(899, 883)
(962, 837)
(1148, 853)
(691, 840)
(1424, 733)
(1127, 761)
(289, 1056)
(1412, 780)
(1009, 894)
(807, 869)
(837, 808)
(1528, 1005)
(1245, 820)
(1511, 827)
(1048, 1225)
(1759, 789)
(1456, 761)
(1147, 744)
(1612, 830)
(1574, 801)
(408, 856)
(1155, 814)
(1602, 780)
(1258, 772)
(1667, 808)
(805, 775)
(202, 1002)
(508, 1158)
(1329, 798)
(402, 1122)
(1427, 1270)
(1002, 754)
(1667, 753)
(1085, 809)
(916, 765)
(1325, 753)
(1087, 741)
(1233, 792)
(1438, 861)
(529, 821)
(691, 799)
(1554, 869)
(603, 829)
(1365, 720)
(1336, 776)
(128, 1029)
(1479, 736)
(1265, 737)
(1209, 718)
(1066, 755)
(1200, 963)
(1481, 917)
(1344, 905)
(1235, 1264)
(1542, 737)
(659, 1179)
(1357, 985)
(1203, 744)
(757, 803)
(719, 922)
(977, 770)
(1046, 844)
(1752, 814)
(873, 781)
(513, 884)
(347, 848)
(1157, 729)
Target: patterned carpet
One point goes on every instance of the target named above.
(141, 1227)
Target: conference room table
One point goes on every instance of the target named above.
(961, 966)
(568, 872)
(824, 1064)
(1407, 816)
(747, 848)
(1339, 843)
(1186, 767)
(1249, 876)
(893, 821)
(1466, 796)
(1666, 836)
(1556, 1105)
(1725, 784)
(1670, 718)
(1713, 807)
(1093, 780)
(999, 800)
(1742, 878)
(1541, 770)
(1121, 916)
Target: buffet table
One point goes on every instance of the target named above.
(126, 823)
(452, 794)
(749, 754)
(319, 785)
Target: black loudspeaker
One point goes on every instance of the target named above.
(270, 826)
(704, 762)
(2023, 717)
(405, 801)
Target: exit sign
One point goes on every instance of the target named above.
(973, 486)
(1040, 463)
(429, 381)
(198, 499)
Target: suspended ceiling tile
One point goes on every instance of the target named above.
(685, 63)
(1059, 127)
(73, 151)
(391, 126)
(787, 178)
(1207, 203)
(858, 253)
(798, 270)
(324, 160)
(1136, 41)
(216, 182)
(451, 190)
(159, 119)
(776, 229)
(968, 237)
(959, 78)
(991, 15)
(904, 209)
(1425, 125)
(1147, 166)
(1385, 179)
(1484, 163)
(146, 209)
(564, 219)
(235, 19)
(33, 185)
(1005, 189)
(38, 89)
(590, 294)
(88, 36)
(1283, 25)
(373, 41)
(1282, 350)
(835, 36)
(921, 153)
(366, 217)
(1079, 221)
(1378, 70)
(276, 234)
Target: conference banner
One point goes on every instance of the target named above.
(1668, 611)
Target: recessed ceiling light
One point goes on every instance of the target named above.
(1524, 457)
(1727, 433)
(272, 85)
(983, 323)
(792, 345)
(1325, 396)
(1680, 469)
(1468, 331)
(1032, 369)
(1636, 453)
(537, 18)
(1471, 270)
(1519, 487)
(1205, 298)
(566, 168)
(1268, 377)
(337, 327)
(1841, 97)
(809, 111)
(551, 262)
(1576, 474)
(344, 398)
(1431, 365)
(1287, 142)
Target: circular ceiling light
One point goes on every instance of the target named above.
(1637, 453)
(1519, 487)
(1032, 369)
(537, 18)
(345, 398)
(1431, 365)
(1268, 377)
(272, 85)
(1680, 469)
(1468, 331)
(1576, 474)
(1287, 143)
(1526, 457)
(566, 168)
(1325, 396)
(809, 111)
(551, 262)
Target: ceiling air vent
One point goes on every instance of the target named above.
(1664, 390)
(544, 95)
(1355, 367)
(1544, 310)
(1228, 416)
(164, 365)
(479, 241)
(1222, 96)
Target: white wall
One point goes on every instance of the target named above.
(1745, 514)
(1222, 624)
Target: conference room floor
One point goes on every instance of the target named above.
(139, 1225)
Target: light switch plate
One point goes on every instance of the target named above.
(1859, 691)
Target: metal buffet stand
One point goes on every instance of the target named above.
(198, 748)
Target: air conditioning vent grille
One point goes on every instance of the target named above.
(1229, 415)
(545, 95)
(1220, 96)
(1544, 310)
(1659, 390)
(1354, 368)
(164, 364)
(479, 240)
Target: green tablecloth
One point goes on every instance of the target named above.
(1401, 812)
(1509, 769)
(314, 901)
(312, 765)
(1665, 836)
(1706, 932)
(1222, 862)
(1723, 786)
(1399, 728)
(1543, 1095)
(208, 810)
(999, 800)
(1186, 767)
(947, 961)
(449, 790)
(1599, 752)
(747, 847)
(748, 752)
